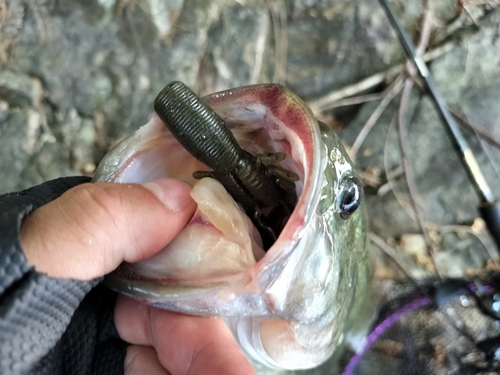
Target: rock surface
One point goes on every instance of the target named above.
(76, 77)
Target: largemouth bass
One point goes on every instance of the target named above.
(289, 307)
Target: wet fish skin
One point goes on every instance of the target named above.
(312, 283)
(357, 307)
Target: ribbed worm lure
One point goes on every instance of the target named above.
(266, 191)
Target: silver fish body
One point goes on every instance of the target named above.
(288, 308)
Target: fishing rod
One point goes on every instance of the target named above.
(489, 207)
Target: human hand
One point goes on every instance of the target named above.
(91, 229)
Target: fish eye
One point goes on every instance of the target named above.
(350, 198)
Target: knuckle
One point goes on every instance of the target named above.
(99, 201)
(100, 221)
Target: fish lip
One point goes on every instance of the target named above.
(308, 201)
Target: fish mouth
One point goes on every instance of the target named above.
(289, 307)
(263, 118)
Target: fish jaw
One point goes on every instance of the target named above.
(289, 309)
(263, 118)
(219, 235)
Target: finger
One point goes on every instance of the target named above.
(141, 360)
(186, 345)
(92, 228)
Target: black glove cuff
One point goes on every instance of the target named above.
(40, 333)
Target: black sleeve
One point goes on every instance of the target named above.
(51, 326)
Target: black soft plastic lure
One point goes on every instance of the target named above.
(258, 187)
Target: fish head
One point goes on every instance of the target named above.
(288, 307)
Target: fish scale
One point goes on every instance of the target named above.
(294, 307)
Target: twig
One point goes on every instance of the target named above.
(391, 176)
(360, 99)
(369, 179)
(427, 25)
(403, 138)
(483, 134)
(405, 153)
(324, 103)
(492, 252)
(393, 90)
(410, 178)
(279, 20)
(329, 101)
(391, 253)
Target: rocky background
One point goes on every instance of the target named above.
(77, 76)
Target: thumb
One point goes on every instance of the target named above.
(92, 228)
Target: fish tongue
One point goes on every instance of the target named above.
(220, 240)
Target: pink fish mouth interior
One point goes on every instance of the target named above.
(290, 307)
(262, 121)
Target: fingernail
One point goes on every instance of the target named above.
(174, 194)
